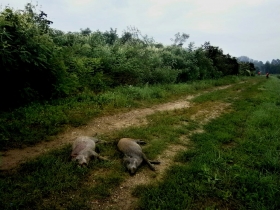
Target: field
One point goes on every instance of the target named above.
(218, 142)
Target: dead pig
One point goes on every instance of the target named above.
(133, 155)
(83, 149)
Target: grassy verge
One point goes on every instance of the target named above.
(34, 123)
(235, 163)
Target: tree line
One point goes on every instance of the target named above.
(41, 63)
(272, 67)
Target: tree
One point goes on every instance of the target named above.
(111, 36)
(29, 65)
(86, 31)
(126, 37)
(190, 46)
(224, 63)
(267, 67)
(180, 39)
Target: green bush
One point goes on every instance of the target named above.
(28, 66)
(39, 63)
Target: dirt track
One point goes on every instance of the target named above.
(102, 125)
(121, 198)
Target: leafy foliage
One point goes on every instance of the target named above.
(40, 63)
(28, 56)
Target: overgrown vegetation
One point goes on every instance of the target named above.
(40, 63)
(50, 79)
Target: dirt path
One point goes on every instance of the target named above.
(102, 125)
(122, 197)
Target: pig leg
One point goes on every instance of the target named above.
(96, 155)
(148, 162)
(140, 142)
(154, 162)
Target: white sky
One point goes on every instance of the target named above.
(239, 27)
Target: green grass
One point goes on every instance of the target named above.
(52, 180)
(37, 122)
(234, 164)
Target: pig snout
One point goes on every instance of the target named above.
(131, 165)
(82, 160)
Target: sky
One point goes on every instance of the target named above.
(238, 27)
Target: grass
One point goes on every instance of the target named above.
(234, 164)
(37, 122)
(51, 181)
